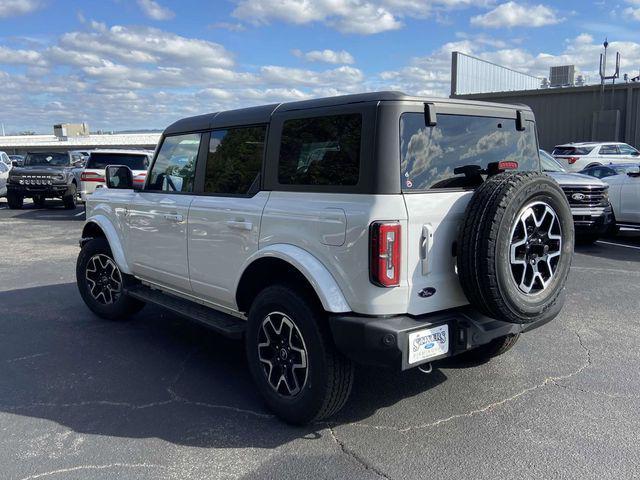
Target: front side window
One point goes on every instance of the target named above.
(175, 165)
(234, 160)
(321, 150)
(609, 150)
(455, 152)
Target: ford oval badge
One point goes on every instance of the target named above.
(578, 196)
(427, 292)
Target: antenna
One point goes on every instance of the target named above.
(603, 71)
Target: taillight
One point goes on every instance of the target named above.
(91, 177)
(384, 249)
(572, 160)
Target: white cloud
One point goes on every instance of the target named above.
(21, 57)
(513, 14)
(155, 11)
(12, 8)
(326, 56)
(363, 17)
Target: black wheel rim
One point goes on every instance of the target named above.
(536, 247)
(103, 279)
(282, 354)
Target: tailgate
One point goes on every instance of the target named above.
(433, 220)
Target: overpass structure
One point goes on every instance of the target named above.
(20, 144)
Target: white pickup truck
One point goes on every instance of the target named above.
(377, 228)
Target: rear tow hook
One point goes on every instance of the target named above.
(428, 368)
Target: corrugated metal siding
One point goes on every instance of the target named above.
(567, 114)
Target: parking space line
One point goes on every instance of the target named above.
(619, 245)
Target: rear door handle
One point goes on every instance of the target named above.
(172, 217)
(240, 225)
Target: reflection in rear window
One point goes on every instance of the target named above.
(103, 160)
(572, 150)
(431, 154)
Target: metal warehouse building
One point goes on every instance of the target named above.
(566, 110)
(577, 114)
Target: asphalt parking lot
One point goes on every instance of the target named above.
(159, 397)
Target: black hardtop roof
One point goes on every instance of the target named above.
(262, 114)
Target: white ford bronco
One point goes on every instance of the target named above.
(377, 228)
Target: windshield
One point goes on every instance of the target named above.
(549, 163)
(459, 148)
(131, 160)
(52, 159)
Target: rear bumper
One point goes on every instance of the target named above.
(592, 220)
(384, 341)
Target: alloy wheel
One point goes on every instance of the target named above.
(536, 246)
(283, 354)
(103, 279)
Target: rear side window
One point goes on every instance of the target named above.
(570, 151)
(321, 151)
(234, 161)
(431, 155)
(103, 160)
(175, 165)
(609, 150)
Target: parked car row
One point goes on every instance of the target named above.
(70, 176)
(579, 156)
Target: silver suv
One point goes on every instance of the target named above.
(376, 228)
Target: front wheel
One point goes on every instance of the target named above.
(70, 198)
(293, 360)
(15, 200)
(101, 283)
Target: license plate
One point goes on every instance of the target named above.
(428, 343)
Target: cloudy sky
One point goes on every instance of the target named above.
(134, 64)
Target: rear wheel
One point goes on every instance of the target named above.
(102, 284)
(70, 198)
(292, 358)
(587, 239)
(38, 201)
(15, 200)
(486, 352)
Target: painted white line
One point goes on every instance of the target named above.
(618, 244)
(78, 214)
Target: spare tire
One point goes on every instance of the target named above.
(515, 247)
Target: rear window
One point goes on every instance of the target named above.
(572, 150)
(321, 151)
(431, 155)
(103, 160)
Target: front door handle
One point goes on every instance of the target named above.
(173, 217)
(240, 225)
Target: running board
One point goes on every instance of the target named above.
(222, 323)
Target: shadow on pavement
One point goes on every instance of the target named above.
(50, 213)
(614, 248)
(157, 375)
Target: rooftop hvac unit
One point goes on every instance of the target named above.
(562, 76)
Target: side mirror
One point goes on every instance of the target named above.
(119, 177)
(633, 171)
(15, 163)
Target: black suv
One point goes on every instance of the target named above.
(44, 175)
